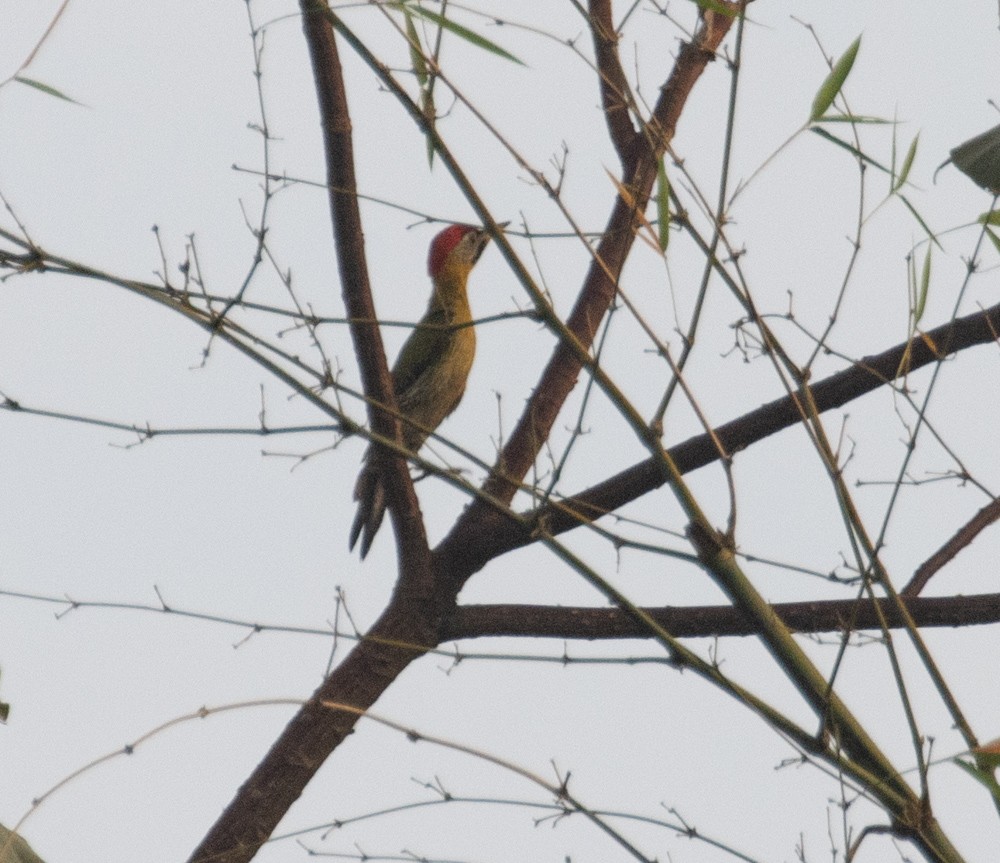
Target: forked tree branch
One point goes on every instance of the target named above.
(408, 625)
(600, 285)
(865, 376)
(412, 618)
(416, 620)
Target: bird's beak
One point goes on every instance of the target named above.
(483, 240)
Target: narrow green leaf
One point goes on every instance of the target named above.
(892, 162)
(834, 81)
(920, 221)
(904, 171)
(833, 139)
(460, 31)
(663, 205)
(922, 290)
(416, 52)
(990, 218)
(994, 239)
(430, 113)
(44, 88)
(854, 118)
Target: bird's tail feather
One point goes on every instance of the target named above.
(370, 495)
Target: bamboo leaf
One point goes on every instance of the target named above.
(931, 345)
(834, 81)
(622, 189)
(854, 118)
(648, 234)
(44, 88)
(920, 221)
(663, 205)
(994, 239)
(924, 287)
(416, 52)
(911, 280)
(892, 160)
(904, 171)
(460, 31)
(833, 139)
(430, 113)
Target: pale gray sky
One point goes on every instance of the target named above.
(167, 93)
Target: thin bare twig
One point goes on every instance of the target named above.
(963, 537)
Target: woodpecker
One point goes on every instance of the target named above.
(429, 375)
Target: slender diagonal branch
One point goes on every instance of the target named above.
(865, 376)
(962, 538)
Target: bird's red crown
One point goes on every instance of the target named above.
(443, 244)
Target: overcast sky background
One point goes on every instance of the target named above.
(167, 95)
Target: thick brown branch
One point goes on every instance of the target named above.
(835, 391)
(348, 236)
(562, 371)
(673, 95)
(315, 731)
(416, 609)
(836, 616)
(615, 91)
(355, 285)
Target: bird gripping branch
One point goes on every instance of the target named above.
(433, 366)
